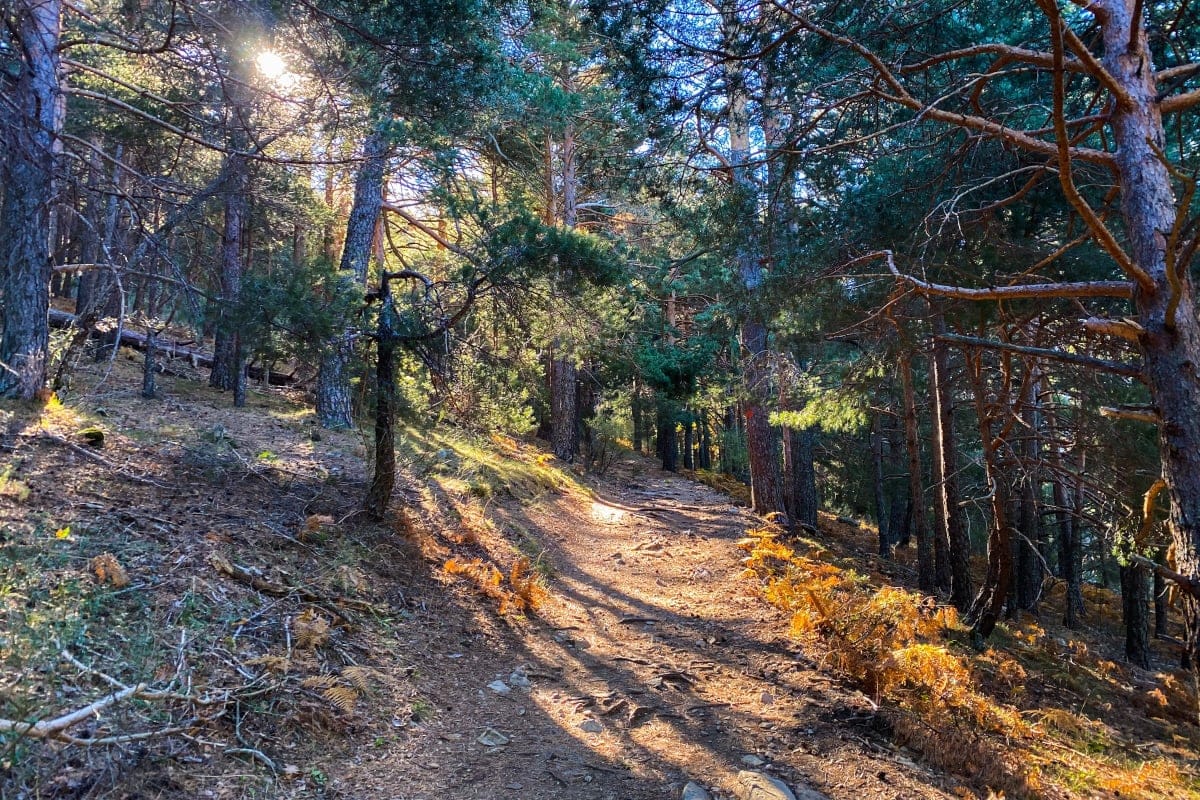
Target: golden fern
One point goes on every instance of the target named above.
(312, 630)
(343, 698)
(361, 678)
(321, 682)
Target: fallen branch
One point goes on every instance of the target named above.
(260, 584)
(56, 729)
(140, 342)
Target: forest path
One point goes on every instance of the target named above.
(653, 664)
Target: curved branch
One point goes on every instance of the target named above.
(1122, 289)
(901, 96)
(1077, 201)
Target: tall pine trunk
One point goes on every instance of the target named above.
(877, 486)
(383, 479)
(956, 566)
(335, 408)
(989, 602)
(31, 141)
(1029, 558)
(1135, 608)
(800, 477)
(926, 576)
(228, 369)
(1170, 341)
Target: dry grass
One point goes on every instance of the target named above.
(1038, 715)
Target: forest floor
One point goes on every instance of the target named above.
(217, 553)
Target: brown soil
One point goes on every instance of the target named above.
(654, 642)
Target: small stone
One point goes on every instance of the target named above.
(514, 786)
(591, 726)
(519, 679)
(751, 760)
(761, 786)
(492, 738)
(499, 687)
(694, 791)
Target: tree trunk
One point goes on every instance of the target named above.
(926, 574)
(1029, 560)
(668, 450)
(334, 406)
(689, 453)
(34, 114)
(955, 566)
(989, 603)
(227, 348)
(1070, 557)
(635, 411)
(1161, 610)
(149, 363)
(800, 477)
(705, 442)
(564, 411)
(1166, 307)
(877, 484)
(383, 480)
(766, 481)
(1135, 607)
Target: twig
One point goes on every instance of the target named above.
(255, 755)
(99, 459)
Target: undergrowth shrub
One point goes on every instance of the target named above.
(524, 592)
(889, 640)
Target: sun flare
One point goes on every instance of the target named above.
(271, 65)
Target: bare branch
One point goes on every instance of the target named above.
(425, 229)
(1189, 585)
(1121, 328)
(1180, 102)
(1065, 177)
(1123, 289)
(1116, 367)
(901, 96)
(1134, 414)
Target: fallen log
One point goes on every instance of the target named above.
(165, 347)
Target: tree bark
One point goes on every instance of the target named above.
(334, 406)
(383, 479)
(954, 568)
(1030, 574)
(1161, 606)
(766, 482)
(926, 574)
(668, 450)
(689, 451)
(800, 477)
(635, 411)
(1166, 309)
(30, 137)
(877, 486)
(989, 603)
(1135, 607)
(564, 410)
(227, 348)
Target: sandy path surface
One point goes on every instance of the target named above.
(653, 664)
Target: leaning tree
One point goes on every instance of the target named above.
(1110, 73)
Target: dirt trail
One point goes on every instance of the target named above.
(653, 664)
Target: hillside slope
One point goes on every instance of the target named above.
(517, 630)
